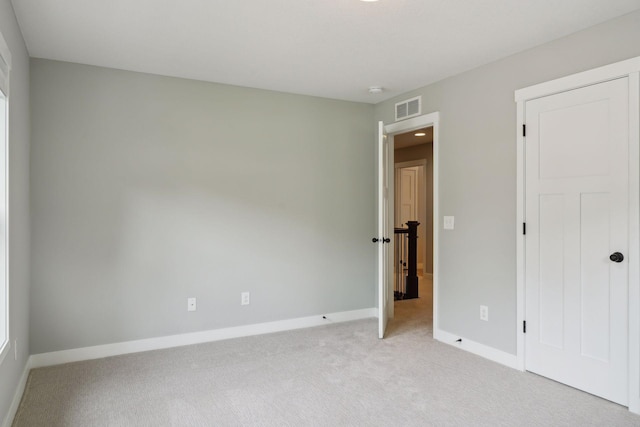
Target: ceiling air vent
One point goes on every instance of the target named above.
(409, 108)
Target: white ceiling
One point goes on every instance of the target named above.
(328, 48)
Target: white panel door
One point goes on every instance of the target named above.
(408, 195)
(576, 211)
(384, 234)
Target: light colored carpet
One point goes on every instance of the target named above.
(335, 375)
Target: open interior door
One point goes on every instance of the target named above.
(383, 239)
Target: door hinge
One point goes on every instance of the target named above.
(524, 326)
(524, 228)
(524, 130)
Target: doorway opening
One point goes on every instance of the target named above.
(412, 205)
(387, 140)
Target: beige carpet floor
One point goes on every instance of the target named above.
(334, 375)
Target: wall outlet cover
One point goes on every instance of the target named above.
(245, 298)
(484, 313)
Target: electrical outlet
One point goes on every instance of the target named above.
(484, 313)
(191, 304)
(245, 298)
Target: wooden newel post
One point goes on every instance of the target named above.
(412, 267)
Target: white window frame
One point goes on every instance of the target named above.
(5, 68)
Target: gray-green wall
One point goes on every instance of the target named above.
(478, 172)
(11, 368)
(147, 190)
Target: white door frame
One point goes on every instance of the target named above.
(631, 69)
(421, 198)
(426, 120)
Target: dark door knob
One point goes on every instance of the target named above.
(616, 257)
(383, 240)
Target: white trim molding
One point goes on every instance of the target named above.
(115, 349)
(634, 241)
(476, 348)
(414, 123)
(574, 81)
(630, 69)
(5, 68)
(17, 396)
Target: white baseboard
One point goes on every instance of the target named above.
(17, 397)
(115, 349)
(482, 350)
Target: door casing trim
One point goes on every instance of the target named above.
(425, 120)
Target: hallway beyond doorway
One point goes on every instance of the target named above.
(414, 314)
